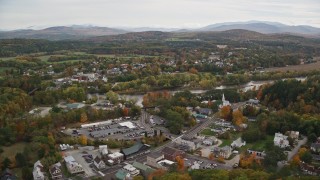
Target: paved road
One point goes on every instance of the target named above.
(199, 127)
(296, 149)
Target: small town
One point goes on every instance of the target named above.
(159, 90)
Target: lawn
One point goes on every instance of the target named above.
(3, 69)
(12, 150)
(258, 145)
(226, 142)
(207, 132)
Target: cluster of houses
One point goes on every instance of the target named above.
(39, 172)
(155, 160)
(308, 168)
(282, 140)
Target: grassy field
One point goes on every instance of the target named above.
(258, 145)
(303, 67)
(3, 69)
(207, 132)
(12, 150)
(225, 142)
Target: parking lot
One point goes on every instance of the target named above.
(121, 128)
(79, 156)
(203, 162)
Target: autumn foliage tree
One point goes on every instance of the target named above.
(157, 173)
(83, 140)
(125, 111)
(180, 163)
(226, 113)
(237, 117)
(83, 117)
(211, 156)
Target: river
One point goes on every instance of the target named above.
(245, 87)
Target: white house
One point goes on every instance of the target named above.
(293, 134)
(238, 143)
(192, 145)
(72, 165)
(132, 170)
(38, 173)
(225, 152)
(281, 140)
(116, 157)
(55, 171)
(98, 162)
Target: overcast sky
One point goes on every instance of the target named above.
(16, 14)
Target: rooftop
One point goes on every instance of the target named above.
(115, 155)
(128, 124)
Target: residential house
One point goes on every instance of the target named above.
(293, 134)
(253, 102)
(144, 169)
(138, 148)
(281, 140)
(132, 170)
(205, 111)
(190, 144)
(238, 143)
(99, 163)
(315, 147)
(153, 159)
(258, 153)
(225, 152)
(72, 165)
(316, 157)
(116, 158)
(309, 169)
(38, 171)
(8, 175)
(210, 141)
(122, 175)
(55, 171)
(171, 153)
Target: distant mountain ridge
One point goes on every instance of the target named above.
(87, 31)
(61, 32)
(264, 27)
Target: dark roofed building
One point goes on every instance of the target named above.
(8, 175)
(144, 169)
(171, 153)
(205, 111)
(315, 147)
(137, 148)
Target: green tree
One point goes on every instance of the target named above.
(112, 96)
(306, 157)
(20, 160)
(6, 163)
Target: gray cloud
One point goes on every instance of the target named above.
(165, 13)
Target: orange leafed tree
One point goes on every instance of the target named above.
(237, 117)
(225, 112)
(193, 70)
(83, 140)
(83, 118)
(180, 163)
(211, 156)
(125, 111)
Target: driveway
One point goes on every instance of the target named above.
(296, 149)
